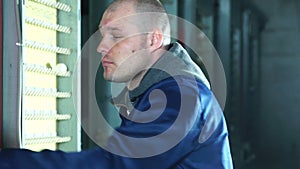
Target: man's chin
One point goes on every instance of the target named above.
(113, 79)
(107, 77)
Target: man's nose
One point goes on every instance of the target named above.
(102, 47)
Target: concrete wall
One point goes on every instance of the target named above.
(279, 115)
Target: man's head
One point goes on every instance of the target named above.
(151, 14)
(132, 33)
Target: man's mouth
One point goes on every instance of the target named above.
(106, 63)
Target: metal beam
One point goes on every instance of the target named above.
(223, 36)
(1, 112)
(11, 75)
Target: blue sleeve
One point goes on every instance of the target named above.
(161, 131)
(141, 141)
(46, 159)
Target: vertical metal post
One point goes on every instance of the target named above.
(245, 60)
(11, 76)
(1, 74)
(186, 10)
(223, 37)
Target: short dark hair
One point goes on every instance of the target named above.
(154, 11)
(141, 5)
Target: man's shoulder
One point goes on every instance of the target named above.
(180, 81)
(181, 84)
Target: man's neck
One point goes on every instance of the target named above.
(135, 82)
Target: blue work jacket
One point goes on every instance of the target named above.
(171, 121)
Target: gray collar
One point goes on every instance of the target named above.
(175, 62)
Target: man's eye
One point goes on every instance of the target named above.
(117, 37)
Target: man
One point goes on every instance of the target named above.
(170, 118)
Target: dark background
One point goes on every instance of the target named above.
(259, 45)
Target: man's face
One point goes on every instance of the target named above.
(123, 45)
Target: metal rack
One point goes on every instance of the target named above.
(47, 58)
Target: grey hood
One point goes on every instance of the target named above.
(175, 62)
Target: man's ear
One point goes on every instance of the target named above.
(155, 39)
